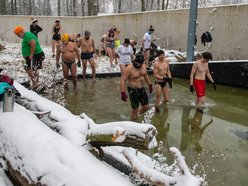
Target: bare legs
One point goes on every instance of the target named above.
(93, 67)
(34, 76)
(158, 91)
(73, 70)
(111, 55)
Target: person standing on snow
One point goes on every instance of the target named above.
(32, 53)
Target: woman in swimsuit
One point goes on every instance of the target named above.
(110, 46)
(56, 35)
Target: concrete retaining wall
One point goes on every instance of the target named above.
(230, 28)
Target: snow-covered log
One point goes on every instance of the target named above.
(125, 133)
(150, 175)
(33, 154)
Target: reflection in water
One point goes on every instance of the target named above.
(192, 129)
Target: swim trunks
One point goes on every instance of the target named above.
(137, 95)
(162, 84)
(200, 87)
(69, 64)
(86, 55)
(35, 63)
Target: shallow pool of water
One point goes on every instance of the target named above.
(214, 142)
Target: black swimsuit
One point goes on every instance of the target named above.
(162, 84)
(56, 36)
(69, 64)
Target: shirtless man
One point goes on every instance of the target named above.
(69, 51)
(87, 53)
(198, 75)
(163, 78)
(135, 74)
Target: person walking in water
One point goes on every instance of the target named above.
(163, 78)
(56, 36)
(135, 74)
(198, 75)
(88, 49)
(32, 53)
(125, 52)
(69, 51)
(35, 28)
(146, 44)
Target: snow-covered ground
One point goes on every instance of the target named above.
(55, 158)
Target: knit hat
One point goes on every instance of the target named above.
(18, 29)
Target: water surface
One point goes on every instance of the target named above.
(214, 142)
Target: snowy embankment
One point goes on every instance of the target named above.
(41, 155)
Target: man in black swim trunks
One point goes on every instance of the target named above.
(87, 53)
(163, 78)
(69, 51)
(135, 74)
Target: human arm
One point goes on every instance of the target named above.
(148, 81)
(192, 73)
(39, 29)
(169, 79)
(53, 30)
(123, 81)
(32, 44)
(79, 42)
(93, 46)
(210, 79)
(77, 51)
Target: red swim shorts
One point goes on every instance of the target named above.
(200, 87)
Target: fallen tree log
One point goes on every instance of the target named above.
(152, 176)
(124, 133)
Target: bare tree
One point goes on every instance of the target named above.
(167, 4)
(119, 6)
(158, 4)
(90, 7)
(3, 7)
(30, 7)
(83, 5)
(74, 6)
(59, 10)
(143, 7)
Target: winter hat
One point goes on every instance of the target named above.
(18, 29)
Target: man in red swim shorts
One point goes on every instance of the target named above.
(198, 75)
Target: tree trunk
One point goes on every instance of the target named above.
(120, 135)
(15, 7)
(158, 4)
(119, 6)
(143, 7)
(90, 7)
(59, 10)
(30, 7)
(12, 7)
(167, 4)
(74, 7)
(2, 7)
(151, 6)
(83, 5)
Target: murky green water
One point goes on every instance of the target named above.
(215, 142)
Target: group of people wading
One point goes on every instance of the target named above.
(133, 65)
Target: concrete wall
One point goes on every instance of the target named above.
(230, 28)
